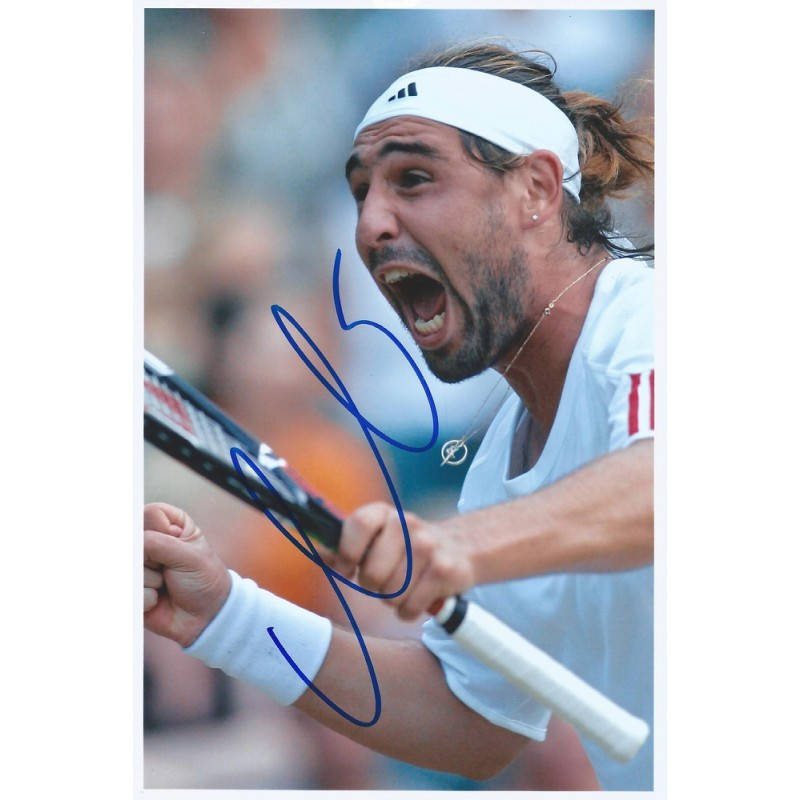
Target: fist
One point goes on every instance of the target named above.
(373, 547)
(185, 582)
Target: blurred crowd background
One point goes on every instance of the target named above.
(249, 116)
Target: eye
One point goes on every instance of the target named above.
(359, 192)
(414, 177)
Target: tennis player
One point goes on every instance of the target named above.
(482, 216)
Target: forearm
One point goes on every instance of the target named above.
(599, 518)
(239, 627)
(421, 721)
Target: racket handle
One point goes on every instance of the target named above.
(530, 669)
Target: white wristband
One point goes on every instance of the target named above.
(236, 640)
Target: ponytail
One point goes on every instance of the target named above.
(615, 154)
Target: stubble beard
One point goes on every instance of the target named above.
(495, 323)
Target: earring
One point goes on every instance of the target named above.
(535, 217)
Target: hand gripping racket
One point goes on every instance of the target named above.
(183, 423)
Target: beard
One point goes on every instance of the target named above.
(493, 323)
(497, 319)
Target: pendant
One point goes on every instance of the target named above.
(449, 451)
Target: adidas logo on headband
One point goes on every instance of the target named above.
(412, 92)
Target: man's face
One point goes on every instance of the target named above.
(433, 229)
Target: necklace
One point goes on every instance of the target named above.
(454, 451)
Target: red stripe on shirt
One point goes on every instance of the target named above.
(652, 400)
(633, 406)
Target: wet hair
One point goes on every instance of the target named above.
(614, 154)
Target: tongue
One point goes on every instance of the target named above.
(428, 300)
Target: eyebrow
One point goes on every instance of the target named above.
(415, 148)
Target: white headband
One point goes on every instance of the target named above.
(503, 112)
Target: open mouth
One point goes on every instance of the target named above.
(422, 300)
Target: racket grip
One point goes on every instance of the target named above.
(530, 669)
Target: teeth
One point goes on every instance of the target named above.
(431, 325)
(395, 275)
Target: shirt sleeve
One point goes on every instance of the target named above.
(631, 413)
(621, 356)
(483, 690)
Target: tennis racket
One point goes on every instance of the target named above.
(182, 422)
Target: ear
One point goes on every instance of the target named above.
(541, 174)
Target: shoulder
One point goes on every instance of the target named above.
(618, 334)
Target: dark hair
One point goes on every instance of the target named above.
(614, 154)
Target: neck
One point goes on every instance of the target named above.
(537, 372)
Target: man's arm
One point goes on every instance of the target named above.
(596, 519)
(421, 722)
(424, 723)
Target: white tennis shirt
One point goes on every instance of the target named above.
(600, 625)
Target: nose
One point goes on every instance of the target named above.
(377, 222)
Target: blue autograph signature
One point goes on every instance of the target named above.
(285, 320)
